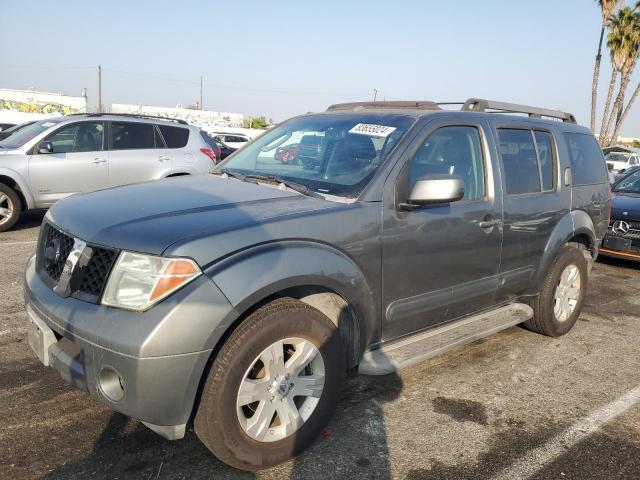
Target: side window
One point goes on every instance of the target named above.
(587, 162)
(175, 137)
(519, 161)
(544, 145)
(78, 137)
(132, 136)
(634, 161)
(455, 150)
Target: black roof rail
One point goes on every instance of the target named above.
(416, 105)
(482, 105)
(131, 115)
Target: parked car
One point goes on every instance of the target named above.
(623, 236)
(239, 300)
(221, 150)
(621, 161)
(54, 158)
(288, 154)
(234, 141)
(11, 130)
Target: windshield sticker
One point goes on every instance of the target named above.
(372, 130)
(48, 124)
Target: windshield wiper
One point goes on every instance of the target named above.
(296, 187)
(236, 175)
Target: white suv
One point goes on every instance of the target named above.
(620, 162)
(54, 158)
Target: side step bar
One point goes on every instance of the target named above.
(422, 346)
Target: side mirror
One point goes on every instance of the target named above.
(435, 189)
(45, 147)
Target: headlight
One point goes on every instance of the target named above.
(138, 281)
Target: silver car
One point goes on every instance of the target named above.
(54, 158)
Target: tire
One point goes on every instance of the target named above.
(9, 202)
(222, 425)
(547, 319)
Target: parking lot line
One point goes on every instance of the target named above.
(543, 455)
(18, 243)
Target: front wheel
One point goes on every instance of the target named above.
(10, 207)
(557, 308)
(272, 387)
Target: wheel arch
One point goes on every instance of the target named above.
(20, 185)
(316, 274)
(575, 227)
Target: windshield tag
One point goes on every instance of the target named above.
(372, 130)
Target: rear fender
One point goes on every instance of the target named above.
(570, 226)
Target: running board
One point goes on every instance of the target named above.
(422, 346)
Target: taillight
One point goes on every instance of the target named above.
(209, 153)
(218, 151)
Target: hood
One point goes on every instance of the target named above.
(625, 202)
(150, 217)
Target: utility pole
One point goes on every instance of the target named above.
(201, 108)
(99, 88)
(375, 94)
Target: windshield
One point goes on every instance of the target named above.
(22, 136)
(617, 157)
(329, 154)
(629, 184)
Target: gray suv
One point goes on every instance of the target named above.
(235, 303)
(54, 158)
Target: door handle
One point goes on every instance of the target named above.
(99, 160)
(163, 158)
(489, 223)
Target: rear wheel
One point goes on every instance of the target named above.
(559, 304)
(10, 207)
(272, 387)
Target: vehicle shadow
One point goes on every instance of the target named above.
(354, 445)
(30, 219)
(619, 262)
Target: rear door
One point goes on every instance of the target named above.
(78, 163)
(534, 201)
(176, 139)
(137, 153)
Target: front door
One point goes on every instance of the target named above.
(441, 262)
(78, 163)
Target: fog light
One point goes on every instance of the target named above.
(111, 384)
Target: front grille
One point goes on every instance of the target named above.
(94, 275)
(61, 244)
(89, 278)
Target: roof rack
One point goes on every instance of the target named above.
(416, 105)
(132, 115)
(482, 105)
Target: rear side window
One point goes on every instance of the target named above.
(175, 137)
(519, 160)
(529, 160)
(132, 136)
(587, 162)
(544, 145)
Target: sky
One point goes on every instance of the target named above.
(282, 58)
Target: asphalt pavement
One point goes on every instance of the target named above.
(513, 405)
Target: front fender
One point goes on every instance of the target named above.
(572, 224)
(22, 183)
(248, 277)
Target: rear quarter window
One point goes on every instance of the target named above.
(175, 137)
(587, 162)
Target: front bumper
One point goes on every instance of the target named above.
(619, 246)
(158, 356)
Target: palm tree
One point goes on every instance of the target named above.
(623, 42)
(606, 7)
(626, 109)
